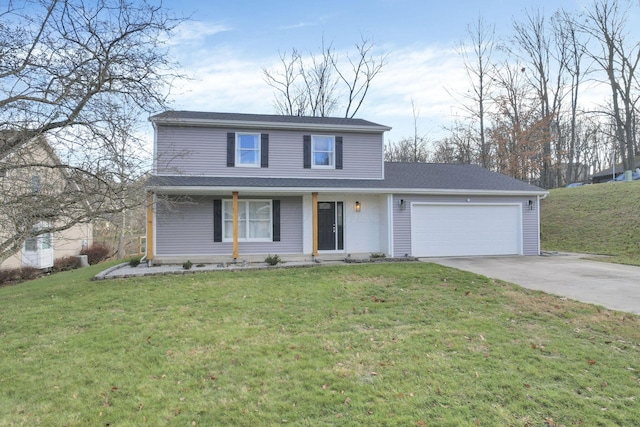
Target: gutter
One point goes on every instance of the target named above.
(268, 125)
(304, 190)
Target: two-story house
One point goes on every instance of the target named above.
(241, 186)
(31, 184)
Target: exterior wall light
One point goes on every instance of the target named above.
(358, 206)
(531, 205)
(402, 204)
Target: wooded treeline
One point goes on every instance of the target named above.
(551, 104)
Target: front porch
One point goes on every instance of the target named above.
(227, 227)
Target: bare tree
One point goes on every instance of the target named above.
(410, 149)
(478, 66)
(618, 57)
(517, 132)
(537, 48)
(64, 64)
(289, 98)
(459, 147)
(318, 85)
(572, 50)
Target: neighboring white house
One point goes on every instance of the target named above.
(229, 186)
(20, 188)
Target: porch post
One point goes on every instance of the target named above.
(235, 224)
(149, 254)
(314, 223)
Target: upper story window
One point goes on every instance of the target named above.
(248, 149)
(323, 151)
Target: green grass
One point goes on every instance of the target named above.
(381, 344)
(597, 219)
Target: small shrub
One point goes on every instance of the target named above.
(187, 265)
(378, 255)
(96, 253)
(272, 259)
(29, 273)
(17, 275)
(134, 262)
(65, 264)
(9, 276)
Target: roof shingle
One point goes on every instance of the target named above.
(398, 177)
(202, 116)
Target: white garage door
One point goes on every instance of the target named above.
(461, 230)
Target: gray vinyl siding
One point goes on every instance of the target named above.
(202, 151)
(402, 219)
(185, 227)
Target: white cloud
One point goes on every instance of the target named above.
(226, 80)
(298, 25)
(193, 32)
(222, 81)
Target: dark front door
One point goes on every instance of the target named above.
(330, 237)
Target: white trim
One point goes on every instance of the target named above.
(539, 230)
(390, 239)
(198, 190)
(332, 165)
(154, 226)
(237, 162)
(270, 125)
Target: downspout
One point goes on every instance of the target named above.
(544, 196)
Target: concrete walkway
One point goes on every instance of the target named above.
(613, 286)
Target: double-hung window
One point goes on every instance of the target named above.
(254, 220)
(323, 151)
(248, 149)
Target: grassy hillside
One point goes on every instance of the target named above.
(598, 219)
(407, 344)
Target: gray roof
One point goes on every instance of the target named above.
(266, 120)
(413, 177)
(619, 169)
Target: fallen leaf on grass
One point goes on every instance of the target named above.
(592, 362)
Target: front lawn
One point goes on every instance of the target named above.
(410, 344)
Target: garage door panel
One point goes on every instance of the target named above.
(462, 230)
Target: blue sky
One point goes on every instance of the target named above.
(226, 44)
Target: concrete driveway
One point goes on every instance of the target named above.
(613, 286)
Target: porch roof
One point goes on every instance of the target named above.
(399, 178)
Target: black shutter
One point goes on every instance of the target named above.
(275, 205)
(217, 220)
(338, 152)
(306, 151)
(231, 149)
(264, 150)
